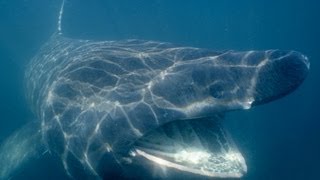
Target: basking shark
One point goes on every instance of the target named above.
(108, 108)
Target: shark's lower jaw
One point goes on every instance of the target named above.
(198, 147)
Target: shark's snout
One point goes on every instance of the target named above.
(283, 72)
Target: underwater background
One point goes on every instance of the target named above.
(279, 140)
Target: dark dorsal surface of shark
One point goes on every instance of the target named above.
(117, 106)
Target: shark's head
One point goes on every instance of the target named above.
(230, 80)
(204, 85)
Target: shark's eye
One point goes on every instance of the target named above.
(217, 90)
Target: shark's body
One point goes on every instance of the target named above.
(105, 105)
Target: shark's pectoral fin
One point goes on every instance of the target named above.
(198, 146)
(20, 147)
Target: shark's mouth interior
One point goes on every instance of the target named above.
(197, 146)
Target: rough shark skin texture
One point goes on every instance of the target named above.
(98, 98)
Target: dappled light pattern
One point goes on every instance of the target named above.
(95, 99)
(107, 107)
(199, 146)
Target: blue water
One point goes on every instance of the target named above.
(279, 140)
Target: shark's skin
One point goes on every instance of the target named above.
(108, 106)
(96, 99)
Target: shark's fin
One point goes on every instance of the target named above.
(20, 147)
(59, 27)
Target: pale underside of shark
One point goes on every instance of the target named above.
(119, 106)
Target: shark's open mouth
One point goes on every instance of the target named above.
(197, 146)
